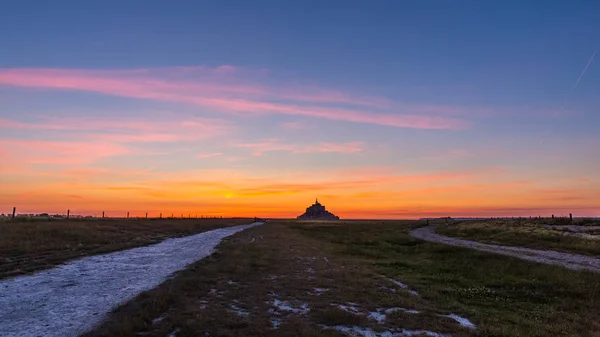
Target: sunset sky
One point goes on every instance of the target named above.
(381, 109)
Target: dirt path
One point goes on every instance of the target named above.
(571, 261)
(72, 298)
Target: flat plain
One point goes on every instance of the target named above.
(359, 278)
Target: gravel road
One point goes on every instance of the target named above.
(567, 260)
(74, 297)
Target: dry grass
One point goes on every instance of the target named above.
(502, 295)
(254, 268)
(34, 245)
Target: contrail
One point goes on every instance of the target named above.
(585, 69)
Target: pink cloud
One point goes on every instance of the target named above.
(53, 152)
(127, 130)
(227, 89)
(208, 155)
(259, 148)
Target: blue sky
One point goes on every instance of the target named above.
(498, 75)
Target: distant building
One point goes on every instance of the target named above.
(317, 212)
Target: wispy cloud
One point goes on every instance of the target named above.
(123, 130)
(208, 155)
(233, 91)
(59, 152)
(259, 148)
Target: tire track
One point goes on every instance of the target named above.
(567, 260)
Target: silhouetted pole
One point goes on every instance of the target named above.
(571, 216)
(552, 216)
(14, 211)
(172, 215)
(160, 216)
(68, 213)
(146, 215)
(102, 214)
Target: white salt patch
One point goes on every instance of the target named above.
(275, 323)
(326, 259)
(203, 305)
(174, 332)
(367, 332)
(408, 311)
(319, 291)
(310, 270)
(461, 320)
(378, 316)
(406, 332)
(159, 319)
(403, 286)
(358, 331)
(252, 240)
(286, 306)
(393, 290)
(230, 282)
(349, 308)
(239, 311)
(398, 283)
(72, 298)
(212, 291)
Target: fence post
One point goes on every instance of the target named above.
(14, 211)
(146, 215)
(68, 213)
(102, 214)
(552, 216)
(127, 215)
(160, 216)
(571, 216)
(172, 215)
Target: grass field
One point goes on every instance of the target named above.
(531, 233)
(27, 246)
(318, 279)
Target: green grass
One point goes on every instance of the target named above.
(505, 296)
(525, 233)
